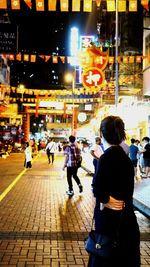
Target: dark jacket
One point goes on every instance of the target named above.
(115, 177)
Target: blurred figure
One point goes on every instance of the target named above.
(133, 154)
(96, 151)
(28, 156)
(140, 159)
(50, 150)
(72, 153)
(39, 145)
(59, 146)
(146, 156)
(34, 147)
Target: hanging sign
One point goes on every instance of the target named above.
(8, 38)
(93, 57)
(98, 58)
(93, 78)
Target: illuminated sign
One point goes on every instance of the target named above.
(48, 104)
(8, 38)
(74, 45)
(85, 41)
(92, 78)
(93, 57)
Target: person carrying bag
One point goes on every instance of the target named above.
(114, 217)
(50, 150)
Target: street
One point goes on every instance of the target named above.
(39, 224)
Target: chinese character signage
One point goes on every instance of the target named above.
(85, 41)
(92, 78)
(8, 38)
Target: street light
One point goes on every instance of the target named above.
(21, 89)
(71, 77)
(116, 56)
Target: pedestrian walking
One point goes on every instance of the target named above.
(50, 150)
(28, 156)
(72, 154)
(96, 151)
(133, 154)
(140, 162)
(146, 156)
(113, 187)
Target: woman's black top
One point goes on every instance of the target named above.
(114, 176)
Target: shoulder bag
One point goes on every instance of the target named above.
(100, 244)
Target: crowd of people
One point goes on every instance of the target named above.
(140, 156)
(138, 152)
(116, 168)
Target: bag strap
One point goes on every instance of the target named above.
(51, 147)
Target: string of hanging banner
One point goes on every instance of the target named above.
(76, 5)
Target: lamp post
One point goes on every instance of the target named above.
(72, 78)
(116, 56)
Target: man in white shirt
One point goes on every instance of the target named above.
(50, 150)
(96, 151)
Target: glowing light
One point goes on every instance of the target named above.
(74, 44)
(21, 86)
(82, 117)
(68, 77)
(56, 105)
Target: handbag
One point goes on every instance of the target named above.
(100, 244)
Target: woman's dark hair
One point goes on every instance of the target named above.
(146, 138)
(112, 128)
(72, 138)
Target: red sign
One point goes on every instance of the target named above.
(93, 78)
(93, 57)
(98, 58)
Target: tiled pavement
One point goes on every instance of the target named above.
(141, 192)
(40, 225)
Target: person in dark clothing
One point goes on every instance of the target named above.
(146, 156)
(133, 154)
(113, 186)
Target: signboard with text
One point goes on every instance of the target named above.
(8, 38)
(93, 78)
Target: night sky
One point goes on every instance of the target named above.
(37, 30)
(40, 33)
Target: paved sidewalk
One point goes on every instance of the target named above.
(142, 196)
(40, 225)
(141, 192)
